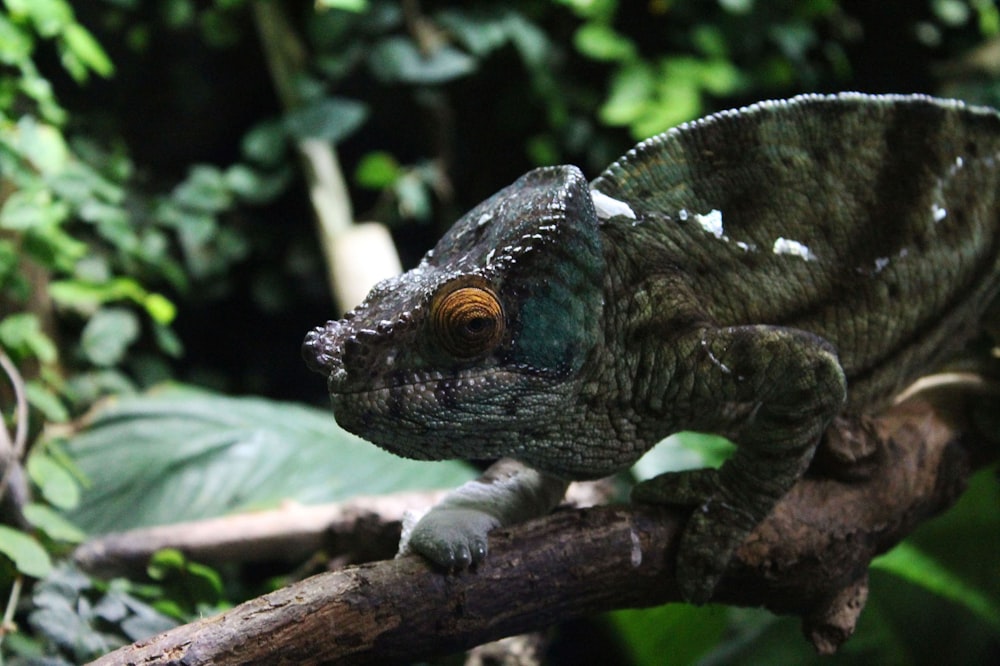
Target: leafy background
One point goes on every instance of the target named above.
(156, 234)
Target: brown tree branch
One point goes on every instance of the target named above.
(809, 558)
(360, 529)
(289, 533)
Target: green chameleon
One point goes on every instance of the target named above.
(754, 274)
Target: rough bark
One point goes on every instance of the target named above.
(360, 529)
(809, 558)
(363, 528)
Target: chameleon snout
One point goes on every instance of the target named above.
(321, 349)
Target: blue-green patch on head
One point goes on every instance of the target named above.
(538, 242)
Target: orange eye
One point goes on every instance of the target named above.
(468, 320)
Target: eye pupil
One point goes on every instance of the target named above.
(467, 319)
(477, 325)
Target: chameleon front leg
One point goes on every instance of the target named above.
(453, 533)
(783, 386)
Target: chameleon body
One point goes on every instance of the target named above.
(753, 274)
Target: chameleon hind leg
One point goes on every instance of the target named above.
(786, 385)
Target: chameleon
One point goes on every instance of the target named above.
(755, 274)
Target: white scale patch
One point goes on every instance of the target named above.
(793, 248)
(938, 212)
(608, 207)
(711, 222)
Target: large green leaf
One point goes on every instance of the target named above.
(910, 563)
(181, 454)
(398, 59)
(25, 552)
(331, 118)
(684, 632)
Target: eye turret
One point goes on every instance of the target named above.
(467, 318)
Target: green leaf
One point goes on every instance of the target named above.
(675, 102)
(54, 248)
(80, 184)
(952, 13)
(204, 190)
(49, 17)
(179, 454)
(332, 119)
(32, 210)
(160, 308)
(64, 614)
(909, 563)
(413, 196)
(600, 42)
(710, 40)
(167, 341)
(46, 401)
(41, 144)
(25, 552)
(265, 143)
(58, 486)
(88, 296)
(737, 6)
(531, 42)
(683, 451)
(592, 9)
(164, 561)
(243, 181)
(87, 50)
(108, 335)
(55, 526)
(193, 582)
(684, 632)
(478, 33)
(399, 59)
(631, 89)
(16, 45)
(720, 77)
(22, 334)
(356, 6)
(377, 170)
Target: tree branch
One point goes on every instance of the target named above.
(360, 529)
(809, 558)
(290, 533)
(14, 492)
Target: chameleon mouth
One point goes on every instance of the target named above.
(411, 387)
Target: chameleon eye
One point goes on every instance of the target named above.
(467, 318)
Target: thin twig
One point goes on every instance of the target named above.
(7, 624)
(13, 448)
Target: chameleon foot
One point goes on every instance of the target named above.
(716, 528)
(452, 538)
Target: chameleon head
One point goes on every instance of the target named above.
(478, 351)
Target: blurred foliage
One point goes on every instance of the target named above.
(181, 454)
(154, 226)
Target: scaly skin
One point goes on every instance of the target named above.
(752, 274)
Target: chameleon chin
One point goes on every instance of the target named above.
(754, 274)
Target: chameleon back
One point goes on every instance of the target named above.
(870, 220)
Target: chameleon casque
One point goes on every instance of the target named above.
(754, 274)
